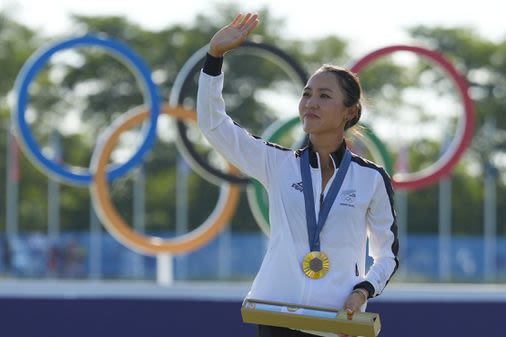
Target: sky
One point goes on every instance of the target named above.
(366, 24)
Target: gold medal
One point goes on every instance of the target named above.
(315, 264)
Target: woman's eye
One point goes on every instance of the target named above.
(324, 96)
(305, 94)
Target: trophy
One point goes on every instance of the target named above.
(310, 318)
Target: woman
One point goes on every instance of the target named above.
(317, 247)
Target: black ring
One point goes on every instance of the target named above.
(182, 127)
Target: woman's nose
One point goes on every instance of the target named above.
(311, 102)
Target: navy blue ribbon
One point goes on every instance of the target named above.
(314, 228)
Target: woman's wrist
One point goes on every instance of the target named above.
(215, 53)
(364, 293)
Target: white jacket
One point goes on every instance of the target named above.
(363, 209)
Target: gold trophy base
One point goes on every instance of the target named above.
(302, 317)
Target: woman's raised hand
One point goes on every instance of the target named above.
(232, 35)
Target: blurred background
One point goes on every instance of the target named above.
(452, 232)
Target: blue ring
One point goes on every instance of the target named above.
(30, 70)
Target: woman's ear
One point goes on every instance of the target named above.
(351, 113)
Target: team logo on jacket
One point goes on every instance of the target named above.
(347, 198)
(298, 186)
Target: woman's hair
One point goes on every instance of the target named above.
(350, 85)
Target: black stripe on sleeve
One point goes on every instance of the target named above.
(393, 228)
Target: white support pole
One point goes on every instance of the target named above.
(95, 246)
(12, 188)
(445, 228)
(490, 207)
(164, 269)
(225, 254)
(139, 210)
(53, 192)
(183, 170)
(401, 206)
(490, 224)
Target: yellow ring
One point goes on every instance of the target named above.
(114, 223)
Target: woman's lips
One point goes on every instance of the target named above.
(310, 115)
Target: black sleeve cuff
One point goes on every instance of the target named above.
(212, 65)
(367, 286)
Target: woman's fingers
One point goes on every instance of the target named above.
(245, 22)
(251, 23)
(237, 20)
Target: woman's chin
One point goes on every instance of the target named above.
(309, 128)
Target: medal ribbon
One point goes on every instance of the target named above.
(313, 227)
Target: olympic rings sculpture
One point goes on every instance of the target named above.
(465, 127)
(32, 67)
(99, 175)
(227, 203)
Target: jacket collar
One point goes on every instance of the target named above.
(337, 155)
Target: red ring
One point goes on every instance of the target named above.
(439, 169)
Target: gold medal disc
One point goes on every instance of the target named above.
(315, 265)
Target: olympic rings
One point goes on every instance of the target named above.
(225, 208)
(32, 67)
(194, 63)
(465, 127)
(98, 176)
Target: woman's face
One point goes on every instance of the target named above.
(321, 107)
